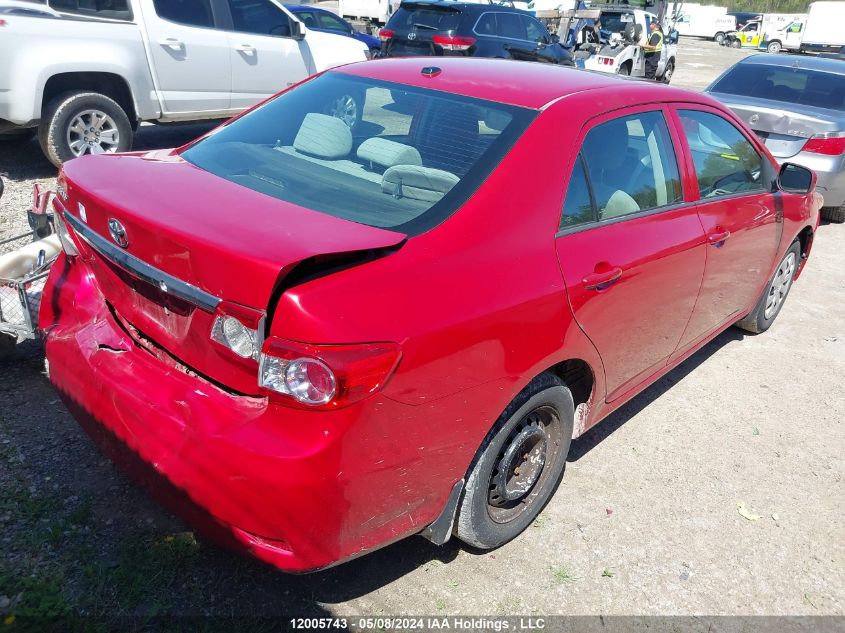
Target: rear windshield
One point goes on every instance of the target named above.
(376, 153)
(791, 85)
(410, 17)
(616, 22)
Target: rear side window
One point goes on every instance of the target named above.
(261, 17)
(726, 162)
(578, 206)
(332, 22)
(112, 9)
(631, 165)
(188, 12)
(799, 86)
(410, 161)
(411, 17)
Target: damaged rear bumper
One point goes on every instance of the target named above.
(298, 489)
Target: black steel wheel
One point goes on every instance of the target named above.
(519, 465)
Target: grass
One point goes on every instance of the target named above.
(562, 575)
(607, 572)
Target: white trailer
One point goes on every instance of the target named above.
(822, 29)
(705, 23)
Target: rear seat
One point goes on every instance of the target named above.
(396, 167)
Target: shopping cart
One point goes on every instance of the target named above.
(25, 261)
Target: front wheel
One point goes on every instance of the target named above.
(774, 296)
(519, 465)
(736, 44)
(774, 47)
(668, 71)
(76, 123)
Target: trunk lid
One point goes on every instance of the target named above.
(415, 24)
(784, 131)
(204, 236)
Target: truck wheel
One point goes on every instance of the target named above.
(774, 296)
(834, 214)
(719, 37)
(625, 69)
(736, 44)
(76, 123)
(519, 465)
(774, 47)
(668, 71)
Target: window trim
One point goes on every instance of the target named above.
(679, 151)
(729, 117)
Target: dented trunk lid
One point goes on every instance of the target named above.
(193, 240)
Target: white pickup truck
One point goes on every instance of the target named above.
(84, 78)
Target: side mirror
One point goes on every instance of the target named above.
(297, 30)
(796, 179)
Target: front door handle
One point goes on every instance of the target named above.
(600, 281)
(245, 48)
(718, 237)
(172, 42)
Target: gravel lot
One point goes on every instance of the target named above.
(647, 521)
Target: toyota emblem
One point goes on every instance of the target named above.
(412, 35)
(118, 233)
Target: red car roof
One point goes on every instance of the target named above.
(526, 84)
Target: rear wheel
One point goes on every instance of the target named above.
(519, 465)
(774, 47)
(625, 69)
(834, 214)
(774, 296)
(719, 38)
(77, 123)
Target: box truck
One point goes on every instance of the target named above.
(822, 29)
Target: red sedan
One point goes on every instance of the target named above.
(321, 334)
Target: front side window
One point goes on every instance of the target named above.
(536, 31)
(631, 165)
(332, 22)
(261, 17)
(409, 162)
(188, 12)
(726, 162)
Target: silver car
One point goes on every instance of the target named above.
(796, 105)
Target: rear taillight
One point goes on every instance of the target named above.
(828, 144)
(325, 376)
(386, 34)
(454, 42)
(239, 330)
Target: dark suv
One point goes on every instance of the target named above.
(469, 30)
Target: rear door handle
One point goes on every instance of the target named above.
(245, 48)
(718, 237)
(172, 42)
(600, 281)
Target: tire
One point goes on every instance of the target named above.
(834, 214)
(668, 71)
(736, 44)
(349, 108)
(719, 38)
(534, 432)
(774, 296)
(774, 47)
(59, 129)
